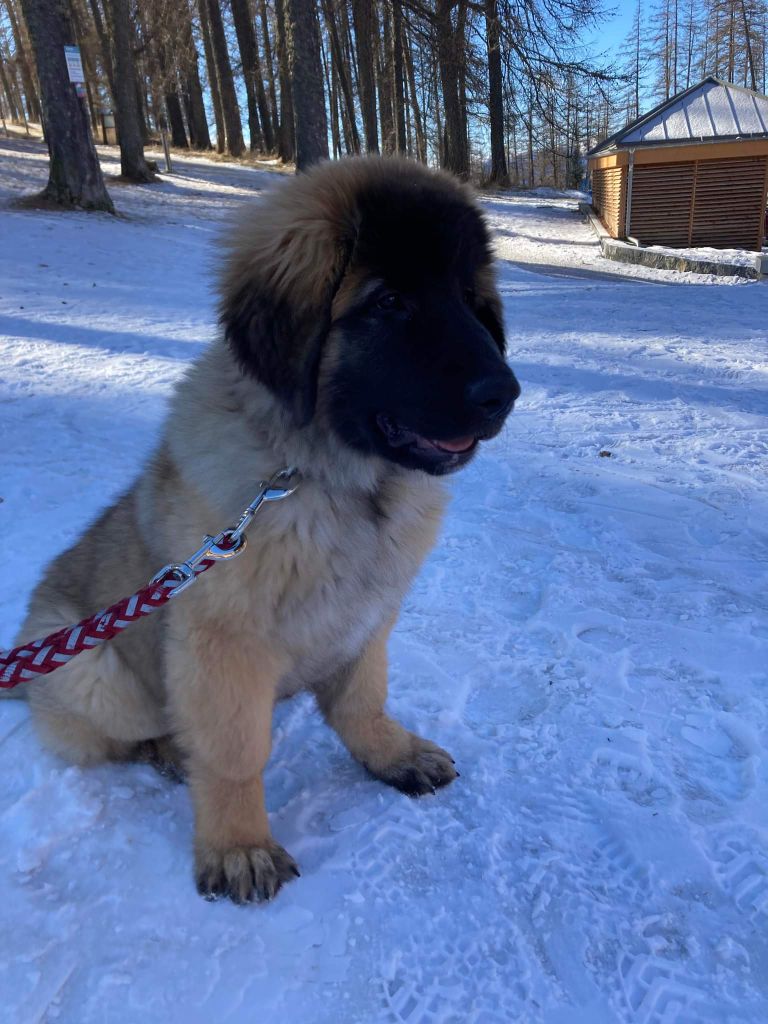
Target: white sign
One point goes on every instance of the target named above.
(74, 63)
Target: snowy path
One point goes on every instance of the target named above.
(590, 640)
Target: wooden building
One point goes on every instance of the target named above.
(692, 172)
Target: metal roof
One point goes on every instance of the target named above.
(712, 111)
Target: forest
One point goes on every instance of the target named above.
(504, 92)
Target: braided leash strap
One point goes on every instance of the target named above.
(40, 657)
(25, 663)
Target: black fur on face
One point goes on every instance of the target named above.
(419, 375)
(279, 340)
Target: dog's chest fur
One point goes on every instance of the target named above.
(332, 568)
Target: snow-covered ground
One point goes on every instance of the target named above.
(589, 639)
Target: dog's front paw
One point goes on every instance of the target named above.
(426, 768)
(246, 874)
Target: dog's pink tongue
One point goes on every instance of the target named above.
(461, 444)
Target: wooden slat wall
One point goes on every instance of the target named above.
(718, 203)
(662, 196)
(729, 203)
(609, 194)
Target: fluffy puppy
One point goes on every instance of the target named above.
(361, 343)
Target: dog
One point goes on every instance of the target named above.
(362, 344)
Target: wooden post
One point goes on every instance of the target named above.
(693, 201)
(761, 226)
(166, 149)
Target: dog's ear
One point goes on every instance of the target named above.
(277, 293)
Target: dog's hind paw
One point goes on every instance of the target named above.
(245, 874)
(164, 756)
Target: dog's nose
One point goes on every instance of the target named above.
(495, 394)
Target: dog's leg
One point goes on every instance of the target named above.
(222, 691)
(353, 704)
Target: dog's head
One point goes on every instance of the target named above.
(362, 295)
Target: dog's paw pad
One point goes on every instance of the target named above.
(245, 874)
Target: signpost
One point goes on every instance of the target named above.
(74, 64)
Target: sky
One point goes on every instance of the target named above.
(613, 30)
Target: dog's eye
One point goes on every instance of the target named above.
(390, 301)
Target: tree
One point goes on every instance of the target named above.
(635, 58)
(27, 76)
(274, 112)
(341, 68)
(213, 76)
(169, 77)
(192, 90)
(249, 59)
(229, 106)
(499, 174)
(398, 91)
(362, 14)
(307, 84)
(74, 176)
(286, 139)
(133, 166)
(451, 54)
(384, 80)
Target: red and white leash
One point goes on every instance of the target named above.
(25, 663)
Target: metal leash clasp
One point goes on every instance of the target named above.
(230, 542)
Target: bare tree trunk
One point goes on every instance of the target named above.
(499, 173)
(213, 77)
(89, 67)
(341, 69)
(175, 117)
(10, 96)
(384, 69)
(461, 50)
(267, 128)
(748, 44)
(192, 90)
(74, 177)
(133, 166)
(246, 41)
(270, 68)
(286, 143)
(421, 144)
(439, 133)
(397, 77)
(362, 13)
(307, 82)
(169, 83)
(331, 87)
(104, 46)
(18, 98)
(27, 72)
(451, 60)
(229, 105)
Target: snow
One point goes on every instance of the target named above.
(589, 639)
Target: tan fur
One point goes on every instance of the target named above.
(208, 669)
